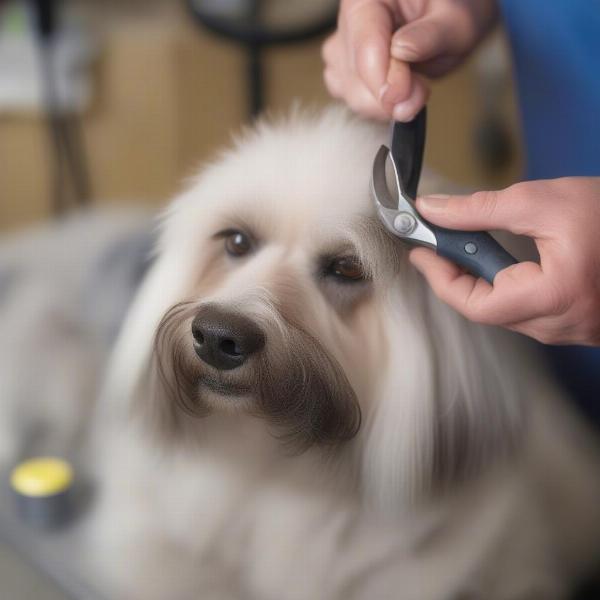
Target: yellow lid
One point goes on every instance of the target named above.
(44, 476)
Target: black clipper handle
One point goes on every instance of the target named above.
(476, 251)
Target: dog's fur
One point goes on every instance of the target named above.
(64, 288)
(379, 447)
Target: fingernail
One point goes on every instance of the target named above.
(404, 52)
(433, 202)
(404, 111)
(383, 89)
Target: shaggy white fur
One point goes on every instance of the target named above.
(468, 476)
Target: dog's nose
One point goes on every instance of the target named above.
(225, 340)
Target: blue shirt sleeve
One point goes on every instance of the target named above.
(556, 56)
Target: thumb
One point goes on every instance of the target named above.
(505, 209)
(428, 38)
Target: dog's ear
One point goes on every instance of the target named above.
(449, 405)
(165, 284)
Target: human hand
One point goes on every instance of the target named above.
(555, 302)
(428, 37)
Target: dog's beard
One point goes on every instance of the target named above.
(295, 384)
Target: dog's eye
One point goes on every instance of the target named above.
(237, 243)
(346, 268)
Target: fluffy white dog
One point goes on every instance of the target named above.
(296, 417)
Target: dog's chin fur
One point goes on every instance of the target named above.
(420, 406)
(295, 384)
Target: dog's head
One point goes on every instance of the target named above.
(276, 293)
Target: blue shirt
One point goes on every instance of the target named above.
(556, 52)
(556, 55)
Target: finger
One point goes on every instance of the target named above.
(445, 278)
(367, 28)
(361, 101)
(438, 66)
(513, 298)
(412, 9)
(408, 109)
(517, 209)
(333, 82)
(430, 37)
(398, 86)
(331, 50)
(332, 55)
(344, 84)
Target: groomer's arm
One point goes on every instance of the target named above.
(423, 37)
(555, 302)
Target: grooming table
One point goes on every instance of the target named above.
(54, 555)
(96, 260)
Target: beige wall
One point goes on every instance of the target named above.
(167, 96)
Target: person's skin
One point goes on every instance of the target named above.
(375, 62)
(376, 59)
(556, 301)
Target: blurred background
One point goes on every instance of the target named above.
(145, 93)
(112, 104)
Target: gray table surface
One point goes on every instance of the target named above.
(36, 564)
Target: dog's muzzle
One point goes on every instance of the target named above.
(204, 353)
(225, 340)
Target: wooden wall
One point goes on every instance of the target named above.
(168, 95)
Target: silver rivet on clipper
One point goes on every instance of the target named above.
(471, 248)
(404, 223)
